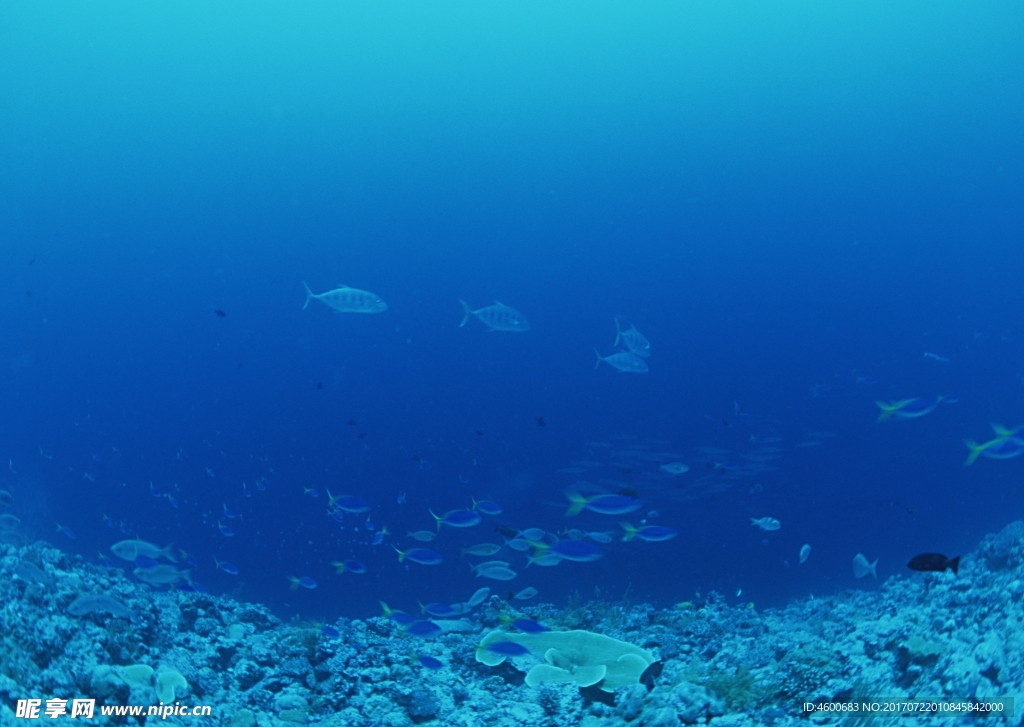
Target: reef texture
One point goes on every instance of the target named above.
(935, 636)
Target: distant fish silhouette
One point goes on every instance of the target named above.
(220, 313)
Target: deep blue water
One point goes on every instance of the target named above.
(783, 198)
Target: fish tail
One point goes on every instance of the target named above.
(385, 608)
(309, 295)
(618, 332)
(466, 311)
(599, 359)
(887, 410)
(401, 555)
(436, 518)
(976, 450)
(1002, 432)
(576, 503)
(954, 565)
(874, 565)
(630, 531)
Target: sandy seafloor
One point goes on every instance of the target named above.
(920, 636)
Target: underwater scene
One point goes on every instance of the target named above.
(518, 364)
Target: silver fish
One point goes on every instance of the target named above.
(623, 361)
(766, 523)
(132, 549)
(162, 575)
(633, 340)
(347, 300)
(497, 317)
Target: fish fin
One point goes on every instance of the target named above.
(467, 311)
(630, 531)
(887, 410)
(618, 332)
(577, 503)
(599, 359)
(1002, 432)
(168, 553)
(309, 295)
(954, 565)
(976, 450)
(874, 572)
(401, 555)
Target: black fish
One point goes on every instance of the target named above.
(935, 562)
(220, 313)
(540, 422)
(652, 672)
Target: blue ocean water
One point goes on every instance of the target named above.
(794, 203)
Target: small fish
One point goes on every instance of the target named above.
(576, 550)
(463, 479)
(172, 500)
(401, 498)
(602, 504)
(304, 581)
(650, 533)
(936, 357)
(349, 566)
(540, 422)
(520, 545)
(209, 471)
(368, 524)
(487, 507)
(622, 361)
(506, 648)
(7, 499)
(861, 566)
(429, 662)
(907, 408)
(424, 629)
(131, 549)
(1004, 446)
(528, 626)
(378, 537)
(89, 477)
(66, 531)
(424, 536)
(162, 575)
(225, 530)
(348, 503)
(766, 523)
(229, 513)
(478, 597)
(934, 562)
(598, 537)
(246, 491)
(344, 299)
(457, 518)
(311, 492)
(497, 317)
(675, 468)
(154, 490)
(401, 618)
(219, 313)
(633, 340)
(330, 632)
(526, 594)
(805, 553)
(228, 568)
(423, 556)
(497, 573)
(481, 550)
(440, 610)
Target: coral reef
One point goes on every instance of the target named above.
(936, 635)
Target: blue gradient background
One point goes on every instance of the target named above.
(780, 196)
